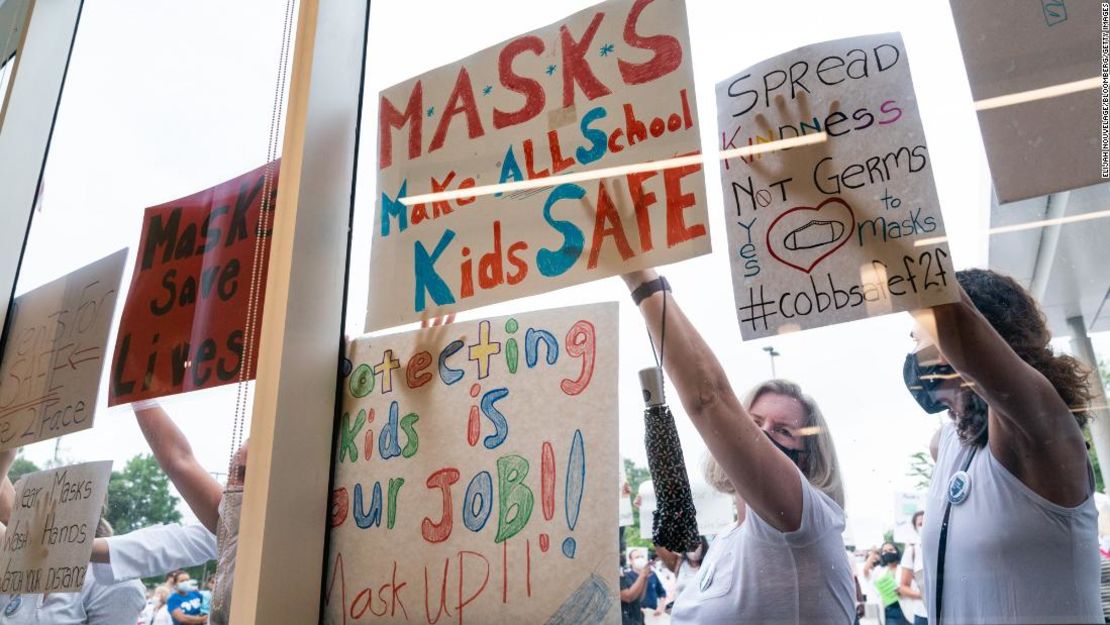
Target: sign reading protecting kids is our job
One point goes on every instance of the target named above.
(484, 165)
(475, 471)
(55, 355)
(847, 226)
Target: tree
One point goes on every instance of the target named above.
(21, 467)
(139, 496)
(636, 475)
(921, 467)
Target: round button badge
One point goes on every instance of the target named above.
(959, 487)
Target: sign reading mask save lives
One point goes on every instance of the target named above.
(842, 228)
(610, 86)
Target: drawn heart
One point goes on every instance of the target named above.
(807, 243)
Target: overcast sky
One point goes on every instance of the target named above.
(167, 98)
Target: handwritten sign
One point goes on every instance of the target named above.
(905, 505)
(50, 535)
(716, 510)
(199, 277)
(843, 228)
(475, 474)
(54, 357)
(1037, 146)
(608, 87)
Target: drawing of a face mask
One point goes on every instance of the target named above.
(815, 233)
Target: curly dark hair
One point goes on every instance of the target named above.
(1016, 317)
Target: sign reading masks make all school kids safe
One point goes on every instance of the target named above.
(200, 275)
(476, 465)
(50, 534)
(840, 229)
(606, 87)
(55, 354)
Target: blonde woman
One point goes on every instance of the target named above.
(784, 561)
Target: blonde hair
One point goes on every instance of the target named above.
(161, 595)
(820, 464)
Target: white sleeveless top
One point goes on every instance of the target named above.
(1013, 557)
(755, 574)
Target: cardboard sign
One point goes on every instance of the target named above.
(608, 87)
(200, 275)
(624, 501)
(55, 354)
(1045, 145)
(838, 229)
(716, 510)
(905, 505)
(475, 474)
(50, 534)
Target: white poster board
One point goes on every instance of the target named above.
(50, 534)
(52, 362)
(716, 510)
(476, 464)
(608, 87)
(1042, 145)
(905, 505)
(624, 501)
(847, 226)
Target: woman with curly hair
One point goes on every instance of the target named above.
(1011, 534)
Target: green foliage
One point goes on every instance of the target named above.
(21, 467)
(921, 467)
(139, 496)
(636, 475)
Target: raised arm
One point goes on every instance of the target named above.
(174, 454)
(7, 490)
(1033, 432)
(763, 477)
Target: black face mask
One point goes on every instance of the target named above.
(890, 558)
(922, 381)
(795, 455)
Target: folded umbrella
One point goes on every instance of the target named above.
(674, 522)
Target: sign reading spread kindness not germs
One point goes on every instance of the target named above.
(847, 226)
(608, 87)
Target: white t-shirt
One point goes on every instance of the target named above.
(155, 550)
(915, 562)
(97, 603)
(1013, 557)
(756, 574)
(162, 616)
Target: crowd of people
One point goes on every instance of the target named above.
(112, 593)
(1010, 535)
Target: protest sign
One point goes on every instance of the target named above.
(475, 471)
(50, 534)
(194, 311)
(648, 504)
(55, 354)
(1037, 143)
(905, 505)
(624, 503)
(846, 224)
(716, 510)
(488, 167)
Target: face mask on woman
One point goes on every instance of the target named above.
(188, 585)
(923, 382)
(889, 558)
(795, 455)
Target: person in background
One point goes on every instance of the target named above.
(206, 595)
(161, 614)
(184, 603)
(784, 561)
(885, 575)
(633, 584)
(912, 570)
(685, 566)
(1104, 556)
(216, 506)
(1012, 469)
(653, 591)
